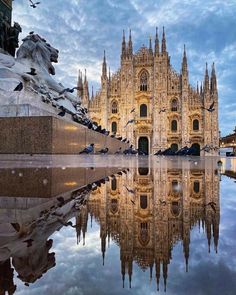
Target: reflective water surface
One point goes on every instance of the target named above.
(105, 225)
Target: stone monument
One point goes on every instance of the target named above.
(8, 34)
(27, 89)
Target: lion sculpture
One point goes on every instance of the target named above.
(35, 53)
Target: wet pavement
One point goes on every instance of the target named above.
(117, 225)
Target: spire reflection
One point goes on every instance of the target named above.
(148, 211)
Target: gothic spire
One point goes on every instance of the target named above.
(186, 264)
(83, 237)
(151, 268)
(92, 97)
(130, 280)
(156, 43)
(85, 76)
(80, 79)
(157, 273)
(206, 80)
(150, 46)
(184, 63)
(85, 87)
(80, 84)
(130, 45)
(216, 233)
(123, 47)
(165, 274)
(213, 79)
(163, 45)
(104, 66)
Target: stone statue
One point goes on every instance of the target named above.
(4, 28)
(35, 49)
(9, 35)
(32, 263)
(12, 39)
(35, 53)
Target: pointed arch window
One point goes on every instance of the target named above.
(114, 205)
(144, 81)
(196, 186)
(143, 110)
(113, 184)
(143, 201)
(175, 208)
(175, 186)
(174, 105)
(144, 233)
(195, 125)
(114, 107)
(174, 126)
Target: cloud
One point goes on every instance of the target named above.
(82, 29)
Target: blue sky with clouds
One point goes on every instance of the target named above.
(82, 29)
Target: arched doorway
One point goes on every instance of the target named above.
(197, 149)
(143, 145)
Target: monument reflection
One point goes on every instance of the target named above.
(35, 202)
(146, 211)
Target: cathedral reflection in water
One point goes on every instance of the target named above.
(147, 211)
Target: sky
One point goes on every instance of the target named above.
(82, 29)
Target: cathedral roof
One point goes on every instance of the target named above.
(143, 54)
(142, 51)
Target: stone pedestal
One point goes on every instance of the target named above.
(50, 135)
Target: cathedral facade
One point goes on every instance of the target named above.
(152, 105)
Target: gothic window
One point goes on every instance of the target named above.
(114, 107)
(174, 126)
(174, 186)
(143, 110)
(143, 170)
(195, 125)
(175, 208)
(143, 201)
(113, 184)
(114, 127)
(144, 81)
(144, 235)
(196, 186)
(174, 105)
(197, 149)
(114, 206)
(144, 225)
(174, 147)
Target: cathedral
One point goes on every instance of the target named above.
(152, 105)
(167, 204)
